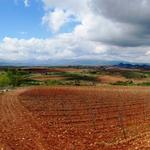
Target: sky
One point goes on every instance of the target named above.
(59, 31)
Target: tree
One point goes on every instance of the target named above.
(16, 77)
(4, 80)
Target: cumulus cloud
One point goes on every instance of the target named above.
(72, 5)
(33, 48)
(113, 22)
(148, 53)
(56, 19)
(64, 46)
(107, 30)
(130, 17)
(67, 46)
(122, 27)
(135, 11)
(26, 3)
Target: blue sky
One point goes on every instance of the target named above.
(20, 21)
(25, 22)
(35, 31)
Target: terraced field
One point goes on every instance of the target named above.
(72, 118)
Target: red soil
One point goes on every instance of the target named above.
(106, 79)
(110, 79)
(104, 118)
(46, 70)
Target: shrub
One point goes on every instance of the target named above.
(4, 80)
(134, 75)
(124, 83)
(144, 84)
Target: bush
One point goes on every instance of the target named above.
(13, 78)
(79, 76)
(54, 82)
(124, 83)
(144, 84)
(4, 80)
(134, 75)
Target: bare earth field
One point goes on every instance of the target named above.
(75, 118)
(110, 79)
(46, 78)
(106, 79)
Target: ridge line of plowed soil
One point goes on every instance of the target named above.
(18, 130)
(38, 119)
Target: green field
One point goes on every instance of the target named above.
(16, 77)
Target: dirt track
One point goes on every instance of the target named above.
(30, 127)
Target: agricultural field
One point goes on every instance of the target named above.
(79, 76)
(75, 118)
(74, 109)
(75, 75)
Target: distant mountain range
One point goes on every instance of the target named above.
(77, 62)
(64, 62)
(133, 66)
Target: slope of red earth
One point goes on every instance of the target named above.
(75, 118)
(110, 79)
(46, 78)
(48, 70)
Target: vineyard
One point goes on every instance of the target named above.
(75, 118)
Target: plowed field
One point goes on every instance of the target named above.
(75, 118)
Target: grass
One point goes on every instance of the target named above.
(134, 75)
(75, 75)
(124, 83)
(68, 82)
(15, 78)
(147, 74)
(131, 83)
(4, 80)
(72, 79)
(144, 84)
(18, 77)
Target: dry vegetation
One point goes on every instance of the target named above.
(46, 78)
(46, 70)
(106, 79)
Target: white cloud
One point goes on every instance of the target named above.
(64, 46)
(107, 31)
(148, 53)
(26, 3)
(120, 35)
(56, 19)
(67, 46)
(71, 5)
(110, 25)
